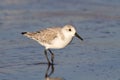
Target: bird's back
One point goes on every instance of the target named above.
(44, 36)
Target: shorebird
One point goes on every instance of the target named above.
(53, 38)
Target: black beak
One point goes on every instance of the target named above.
(78, 36)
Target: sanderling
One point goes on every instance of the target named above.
(53, 38)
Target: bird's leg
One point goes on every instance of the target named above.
(52, 56)
(49, 71)
(45, 51)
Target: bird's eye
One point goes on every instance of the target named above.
(69, 29)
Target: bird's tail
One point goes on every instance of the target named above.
(23, 33)
(28, 34)
(31, 35)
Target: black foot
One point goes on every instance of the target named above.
(49, 63)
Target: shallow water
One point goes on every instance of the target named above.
(96, 58)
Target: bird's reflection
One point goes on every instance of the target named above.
(49, 72)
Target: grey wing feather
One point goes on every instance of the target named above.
(45, 36)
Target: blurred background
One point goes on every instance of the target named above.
(96, 58)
